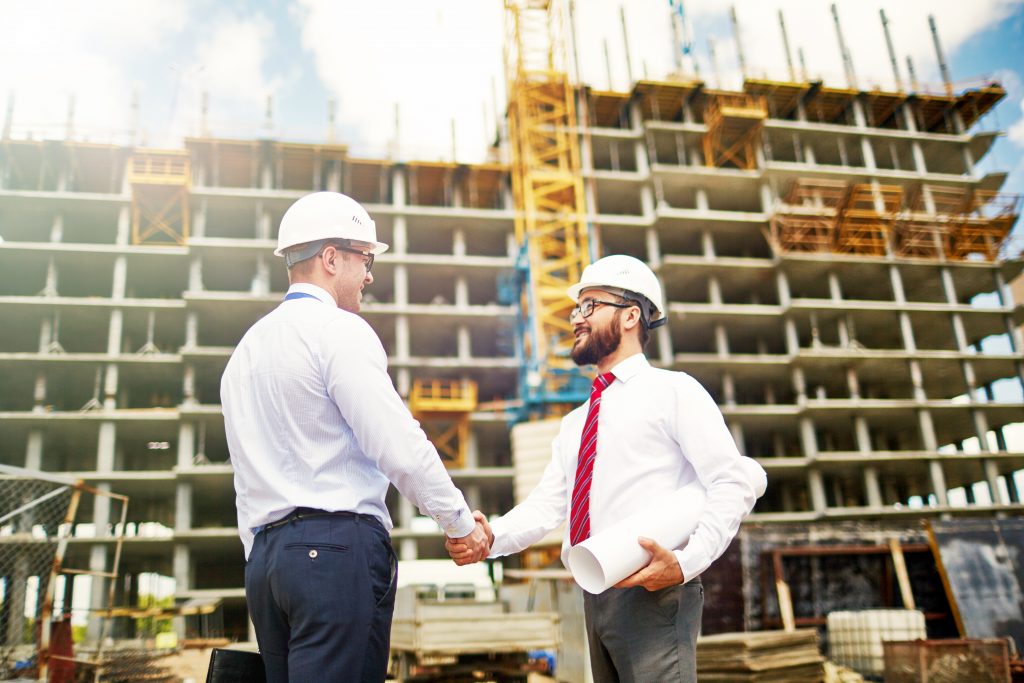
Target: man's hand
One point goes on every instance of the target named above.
(474, 547)
(661, 572)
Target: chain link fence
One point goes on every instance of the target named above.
(38, 513)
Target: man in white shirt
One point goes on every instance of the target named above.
(645, 433)
(316, 433)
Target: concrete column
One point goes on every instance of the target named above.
(721, 341)
(907, 332)
(707, 243)
(260, 285)
(115, 331)
(15, 610)
(701, 197)
(191, 330)
(792, 338)
(461, 292)
(992, 480)
(643, 166)
(653, 247)
(458, 242)
(665, 346)
(959, 332)
(938, 480)
(728, 389)
(927, 427)
(120, 278)
(401, 285)
(198, 226)
(34, 450)
(767, 198)
(403, 382)
(402, 337)
(195, 274)
(181, 566)
(186, 445)
(782, 284)
(183, 507)
(124, 226)
(714, 291)
(407, 549)
(647, 202)
(816, 485)
(736, 430)
(398, 186)
(918, 153)
(835, 291)
(980, 422)
(464, 343)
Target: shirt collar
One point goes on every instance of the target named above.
(630, 367)
(311, 289)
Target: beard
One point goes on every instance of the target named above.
(599, 343)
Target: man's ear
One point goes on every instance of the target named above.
(330, 259)
(632, 318)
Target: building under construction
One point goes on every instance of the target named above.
(821, 248)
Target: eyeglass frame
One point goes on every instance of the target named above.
(344, 247)
(594, 303)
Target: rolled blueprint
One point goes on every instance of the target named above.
(604, 559)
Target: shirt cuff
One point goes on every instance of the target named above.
(462, 525)
(691, 566)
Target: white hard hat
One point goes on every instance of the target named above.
(631, 276)
(323, 216)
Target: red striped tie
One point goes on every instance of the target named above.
(579, 511)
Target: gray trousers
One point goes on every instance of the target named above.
(640, 637)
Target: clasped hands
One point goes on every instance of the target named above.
(474, 547)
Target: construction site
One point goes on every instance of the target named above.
(838, 275)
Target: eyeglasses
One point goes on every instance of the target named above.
(369, 257)
(586, 307)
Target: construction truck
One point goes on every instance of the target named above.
(449, 625)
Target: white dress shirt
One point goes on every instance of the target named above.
(313, 420)
(658, 431)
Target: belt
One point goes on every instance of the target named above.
(309, 513)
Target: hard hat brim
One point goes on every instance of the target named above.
(375, 248)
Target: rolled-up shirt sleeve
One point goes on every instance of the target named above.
(542, 511)
(357, 380)
(707, 444)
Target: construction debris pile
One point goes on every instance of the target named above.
(762, 657)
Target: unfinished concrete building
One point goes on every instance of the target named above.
(820, 247)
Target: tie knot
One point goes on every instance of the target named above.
(601, 382)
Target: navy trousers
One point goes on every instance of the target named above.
(321, 593)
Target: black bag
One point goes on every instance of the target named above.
(235, 666)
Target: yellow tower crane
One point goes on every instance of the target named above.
(547, 185)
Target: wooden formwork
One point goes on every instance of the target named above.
(866, 221)
(986, 225)
(734, 125)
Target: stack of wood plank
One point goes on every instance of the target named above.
(760, 657)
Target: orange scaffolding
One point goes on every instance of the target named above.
(734, 123)
(160, 181)
(443, 407)
(866, 220)
(807, 219)
(985, 225)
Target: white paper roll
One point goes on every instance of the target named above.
(604, 559)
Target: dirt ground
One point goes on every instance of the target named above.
(190, 666)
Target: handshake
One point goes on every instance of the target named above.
(474, 547)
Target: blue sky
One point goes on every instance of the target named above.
(437, 60)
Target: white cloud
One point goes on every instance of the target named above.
(1016, 131)
(437, 60)
(52, 50)
(231, 63)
